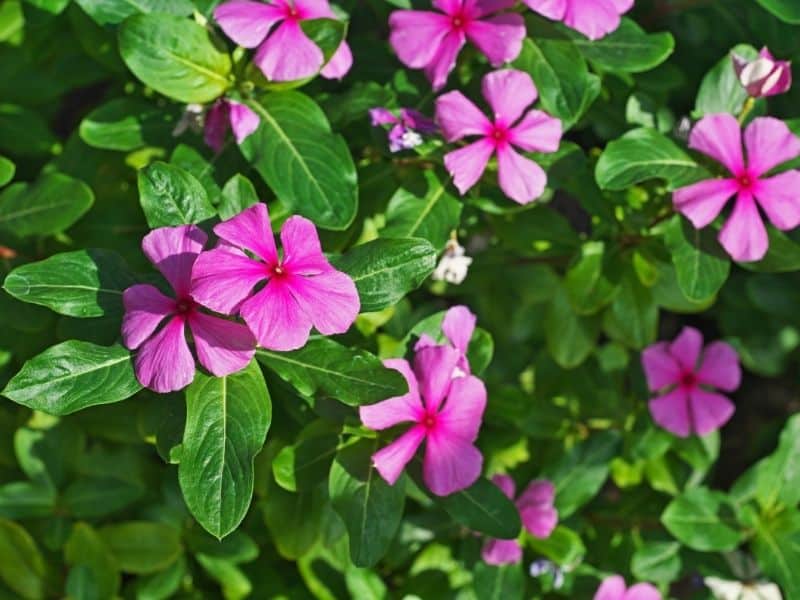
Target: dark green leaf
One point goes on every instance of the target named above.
(482, 507)
(85, 548)
(787, 10)
(26, 500)
(112, 12)
(171, 196)
(141, 546)
(700, 519)
(628, 49)
(24, 132)
(305, 464)
(237, 195)
(127, 124)
(702, 266)
(93, 497)
(505, 582)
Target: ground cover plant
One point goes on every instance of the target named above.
(437, 299)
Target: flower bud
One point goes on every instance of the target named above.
(763, 76)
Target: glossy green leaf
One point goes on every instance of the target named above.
(776, 547)
(720, 91)
(657, 561)
(142, 546)
(700, 519)
(505, 582)
(482, 507)
(237, 195)
(171, 196)
(563, 546)
(787, 10)
(127, 124)
(778, 480)
(112, 12)
(305, 464)
(701, 265)
(628, 49)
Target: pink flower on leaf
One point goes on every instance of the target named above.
(164, 362)
(228, 114)
(509, 92)
(768, 143)
(432, 40)
(302, 289)
(685, 375)
(593, 18)
(445, 412)
(614, 588)
(763, 76)
(458, 326)
(284, 52)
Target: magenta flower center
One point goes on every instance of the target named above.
(459, 21)
(184, 306)
(428, 420)
(745, 180)
(688, 380)
(499, 135)
(278, 270)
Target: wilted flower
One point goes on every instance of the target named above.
(593, 18)
(407, 128)
(763, 76)
(454, 264)
(614, 588)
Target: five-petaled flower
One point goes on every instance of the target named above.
(302, 288)
(407, 128)
(284, 52)
(684, 374)
(763, 76)
(614, 588)
(768, 143)
(538, 516)
(227, 114)
(164, 362)
(593, 18)
(431, 40)
(445, 412)
(509, 92)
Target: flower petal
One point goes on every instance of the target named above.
(459, 117)
(540, 521)
(671, 411)
(744, 236)
(247, 23)
(449, 7)
(458, 325)
(382, 116)
(480, 8)
(769, 143)
(223, 347)
(276, 319)
(509, 92)
(540, 492)
(251, 230)
(779, 196)
(145, 308)
(686, 348)
(302, 251)
(164, 363)
(444, 61)
(499, 37)
(288, 54)
(312, 9)
(173, 251)
(339, 64)
(466, 165)
(710, 411)
(660, 367)
(702, 202)
(552, 9)
(506, 485)
(222, 279)
(501, 552)
(416, 35)
(391, 460)
(593, 19)
(216, 125)
(462, 413)
(330, 300)
(720, 137)
(642, 591)
(244, 120)
(720, 367)
(612, 588)
(520, 178)
(399, 409)
(537, 132)
(433, 366)
(450, 464)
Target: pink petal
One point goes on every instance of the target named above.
(720, 137)
(743, 235)
(382, 116)
(288, 54)
(501, 552)
(444, 60)
(276, 319)
(499, 37)
(391, 460)
(671, 411)
(330, 300)
(399, 409)
(251, 230)
(223, 347)
(459, 117)
(222, 279)
(173, 251)
(506, 485)
(520, 178)
(416, 35)
(247, 23)
(612, 588)
(244, 120)
(449, 7)
(466, 165)
(216, 125)
(433, 367)
(540, 521)
(769, 143)
(450, 464)
(539, 493)
(552, 9)
(660, 367)
(145, 308)
(593, 19)
(164, 362)
(778, 196)
(339, 64)
(622, 6)
(302, 251)
(509, 92)
(458, 325)
(643, 591)
(710, 411)
(462, 414)
(720, 367)
(687, 347)
(537, 132)
(702, 202)
(424, 341)
(313, 9)
(481, 8)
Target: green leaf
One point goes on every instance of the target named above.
(171, 196)
(327, 34)
(657, 561)
(306, 463)
(632, 318)
(482, 507)
(385, 270)
(783, 255)
(325, 367)
(227, 419)
(86, 548)
(237, 195)
(365, 584)
(174, 56)
(93, 497)
(778, 480)
(628, 49)
(720, 91)
(73, 375)
(142, 547)
(235, 584)
(786, 10)
(776, 547)
(127, 124)
(164, 584)
(23, 132)
(586, 284)
(701, 265)
(26, 500)
(701, 520)
(7, 170)
(563, 546)
(113, 12)
(570, 336)
(22, 566)
(84, 283)
(293, 520)
(307, 166)
(422, 208)
(644, 154)
(54, 7)
(370, 508)
(505, 582)
(50, 205)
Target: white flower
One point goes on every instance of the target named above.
(453, 265)
(737, 590)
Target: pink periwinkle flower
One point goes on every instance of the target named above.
(509, 92)
(164, 362)
(614, 588)
(445, 412)
(228, 114)
(407, 128)
(284, 52)
(432, 40)
(593, 18)
(685, 375)
(302, 288)
(538, 514)
(458, 326)
(763, 76)
(768, 143)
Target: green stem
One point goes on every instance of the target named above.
(749, 104)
